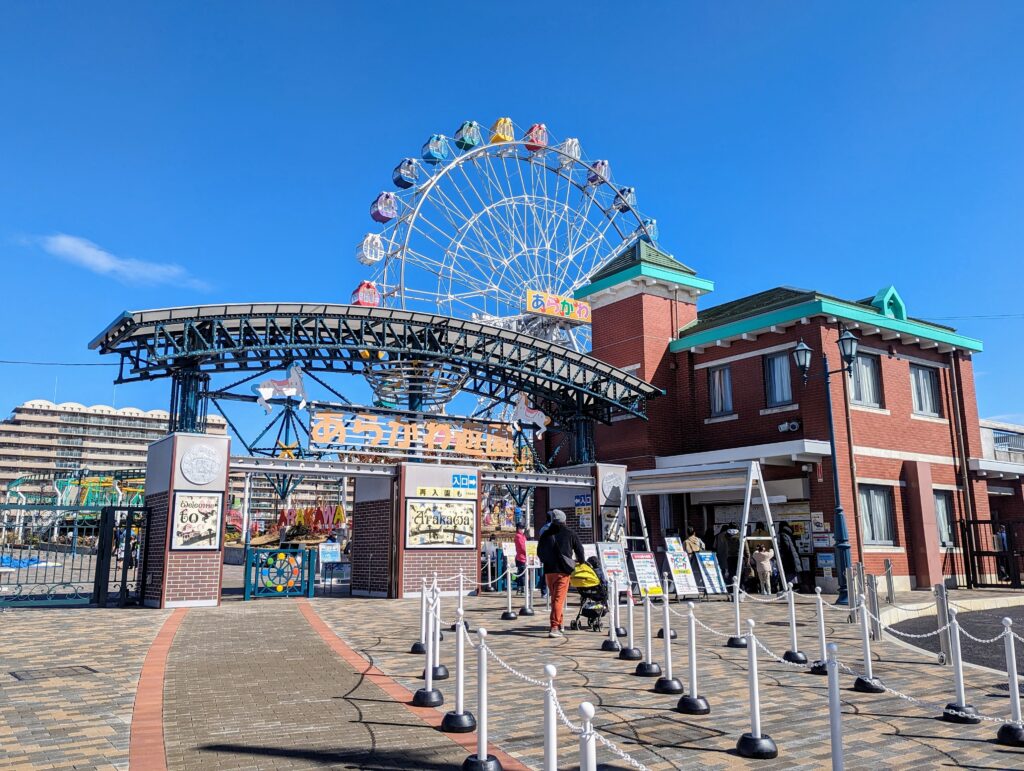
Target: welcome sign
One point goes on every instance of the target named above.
(433, 524)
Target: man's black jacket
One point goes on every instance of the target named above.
(557, 547)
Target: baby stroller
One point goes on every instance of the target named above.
(587, 580)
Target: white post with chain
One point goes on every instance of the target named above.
(1011, 733)
(755, 744)
(958, 711)
(588, 741)
(550, 721)
(866, 683)
(835, 719)
(692, 703)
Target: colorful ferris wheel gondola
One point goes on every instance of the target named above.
(406, 173)
(570, 152)
(370, 250)
(502, 131)
(469, 135)
(384, 207)
(601, 172)
(536, 138)
(626, 199)
(435, 150)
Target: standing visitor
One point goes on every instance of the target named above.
(790, 557)
(520, 541)
(1003, 547)
(559, 550)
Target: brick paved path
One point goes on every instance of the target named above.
(880, 731)
(60, 715)
(251, 685)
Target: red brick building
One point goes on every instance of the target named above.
(906, 418)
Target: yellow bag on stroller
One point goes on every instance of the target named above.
(583, 577)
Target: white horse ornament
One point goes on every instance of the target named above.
(290, 386)
(523, 415)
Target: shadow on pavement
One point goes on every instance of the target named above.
(384, 760)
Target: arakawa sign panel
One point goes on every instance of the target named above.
(397, 436)
(559, 306)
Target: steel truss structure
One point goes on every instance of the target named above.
(187, 344)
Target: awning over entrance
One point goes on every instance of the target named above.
(773, 454)
(688, 479)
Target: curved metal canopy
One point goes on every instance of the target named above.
(322, 337)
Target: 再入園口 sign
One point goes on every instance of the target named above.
(559, 306)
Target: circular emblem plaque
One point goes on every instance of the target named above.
(200, 465)
(611, 481)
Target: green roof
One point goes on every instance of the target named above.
(643, 258)
(784, 303)
(641, 252)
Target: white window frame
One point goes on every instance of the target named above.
(768, 401)
(855, 379)
(915, 398)
(868, 516)
(728, 406)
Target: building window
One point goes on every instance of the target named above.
(866, 381)
(944, 517)
(876, 509)
(777, 385)
(924, 385)
(720, 387)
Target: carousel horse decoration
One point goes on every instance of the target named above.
(523, 415)
(290, 386)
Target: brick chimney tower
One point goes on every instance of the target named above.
(640, 300)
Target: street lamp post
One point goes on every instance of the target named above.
(802, 355)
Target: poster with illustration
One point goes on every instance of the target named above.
(613, 562)
(646, 569)
(714, 583)
(197, 521)
(682, 573)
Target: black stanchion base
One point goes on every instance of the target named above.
(795, 657)
(425, 698)
(509, 615)
(454, 723)
(868, 685)
(473, 763)
(693, 705)
(630, 654)
(968, 715)
(644, 669)
(620, 631)
(440, 673)
(526, 612)
(1011, 735)
(418, 648)
(762, 748)
(611, 646)
(736, 642)
(668, 685)
(661, 634)
(818, 668)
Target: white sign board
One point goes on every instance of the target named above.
(613, 562)
(329, 552)
(646, 569)
(682, 573)
(714, 583)
(197, 521)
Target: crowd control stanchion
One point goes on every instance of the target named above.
(481, 761)
(459, 721)
(428, 695)
(737, 640)
(440, 670)
(1012, 733)
(667, 683)
(437, 590)
(866, 683)
(509, 614)
(664, 599)
(692, 703)
(620, 630)
(420, 646)
(647, 667)
(942, 622)
(630, 652)
(794, 655)
(755, 744)
(550, 721)
(835, 720)
(588, 741)
(959, 711)
(527, 609)
(820, 666)
(611, 643)
(460, 609)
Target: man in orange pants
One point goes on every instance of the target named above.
(559, 550)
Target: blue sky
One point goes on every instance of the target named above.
(156, 154)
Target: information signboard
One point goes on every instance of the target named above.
(531, 554)
(674, 543)
(714, 583)
(197, 521)
(646, 569)
(329, 552)
(613, 562)
(682, 573)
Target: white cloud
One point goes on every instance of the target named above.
(127, 270)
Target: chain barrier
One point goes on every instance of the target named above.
(508, 571)
(997, 638)
(912, 610)
(755, 598)
(909, 635)
(715, 632)
(761, 645)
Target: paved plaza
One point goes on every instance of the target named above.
(324, 684)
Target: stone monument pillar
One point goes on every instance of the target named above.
(186, 488)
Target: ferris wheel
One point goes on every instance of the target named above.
(500, 226)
